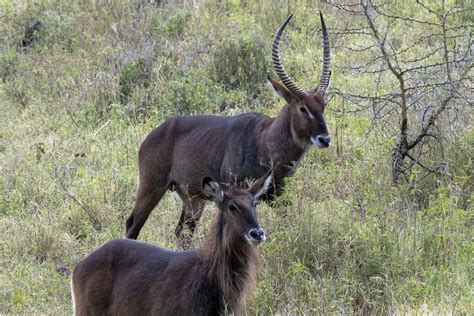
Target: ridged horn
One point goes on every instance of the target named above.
(289, 84)
(325, 72)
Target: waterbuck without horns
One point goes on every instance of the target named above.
(128, 277)
(181, 151)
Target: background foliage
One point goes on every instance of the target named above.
(80, 93)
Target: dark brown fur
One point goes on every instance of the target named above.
(178, 153)
(127, 277)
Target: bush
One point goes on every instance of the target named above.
(133, 75)
(239, 62)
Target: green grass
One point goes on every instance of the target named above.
(76, 106)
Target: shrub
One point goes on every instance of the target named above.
(239, 62)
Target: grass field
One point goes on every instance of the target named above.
(77, 103)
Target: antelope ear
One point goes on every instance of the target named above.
(262, 185)
(212, 190)
(282, 91)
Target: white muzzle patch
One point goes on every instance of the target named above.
(321, 141)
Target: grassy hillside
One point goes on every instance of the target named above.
(98, 77)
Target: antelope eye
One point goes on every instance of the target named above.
(303, 110)
(232, 208)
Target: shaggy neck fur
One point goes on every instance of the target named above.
(283, 143)
(232, 264)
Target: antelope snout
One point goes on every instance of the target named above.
(255, 236)
(321, 141)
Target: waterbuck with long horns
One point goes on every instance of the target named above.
(178, 153)
(127, 277)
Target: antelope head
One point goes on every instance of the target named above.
(306, 107)
(238, 209)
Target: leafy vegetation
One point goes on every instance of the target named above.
(77, 102)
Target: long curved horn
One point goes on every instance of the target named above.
(325, 72)
(289, 84)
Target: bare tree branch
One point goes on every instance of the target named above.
(432, 71)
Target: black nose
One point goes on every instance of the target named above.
(325, 140)
(257, 234)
